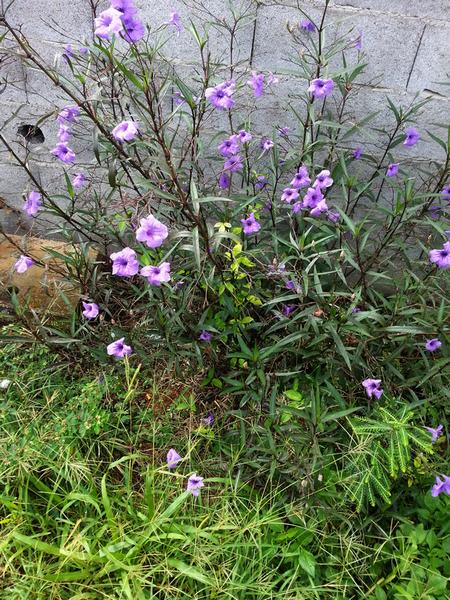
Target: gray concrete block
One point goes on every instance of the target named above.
(435, 9)
(432, 65)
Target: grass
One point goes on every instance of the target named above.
(88, 509)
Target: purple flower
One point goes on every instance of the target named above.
(261, 182)
(90, 310)
(220, 96)
(68, 114)
(107, 23)
(435, 433)
(372, 387)
(321, 88)
(320, 208)
(323, 180)
(83, 50)
(244, 136)
(312, 198)
(224, 181)
(266, 144)
(297, 207)
(356, 310)
(64, 153)
(23, 264)
(157, 275)
(234, 164)
(412, 137)
(152, 232)
(250, 225)
(357, 153)
(195, 482)
(173, 458)
(333, 216)
(434, 212)
(433, 345)
(78, 181)
(290, 285)
(125, 263)
(32, 204)
(272, 79)
(68, 51)
(392, 170)
(446, 192)
(288, 309)
(119, 349)
(358, 44)
(64, 133)
(257, 83)
(441, 485)
(205, 336)
(441, 257)
(284, 131)
(307, 25)
(289, 194)
(301, 179)
(230, 146)
(209, 420)
(125, 7)
(175, 21)
(125, 131)
(134, 29)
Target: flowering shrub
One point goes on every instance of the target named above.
(298, 249)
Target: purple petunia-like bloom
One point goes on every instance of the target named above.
(307, 25)
(320, 208)
(284, 131)
(230, 146)
(224, 181)
(289, 194)
(119, 349)
(261, 182)
(358, 43)
(78, 181)
(152, 232)
(68, 52)
(125, 263)
(357, 153)
(220, 96)
(312, 198)
(91, 310)
(266, 144)
(134, 29)
(195, 482)
(83, 50)
(333, 216)
(321, 88)
(125, 131)
(64, 133)
(244, 136)
(23, 264)
(205, 336)
(441, 486)
(372, 387)
(435, 432)
(173, 458)
(209, 420)
(64, 153)
(175, 21)
(257, 83)
(108, 23)
(441, 257)
(32, 204)
(234, 164)
(392, 170)
(446, 192)
(290, 285)
(157, 275)
(323, 180)
(288, 309)
(250, 225)
(126, 7)
(301, 179)
(68, 114)
(412, 137)
(433, 345)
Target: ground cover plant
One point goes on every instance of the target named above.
(251, 399)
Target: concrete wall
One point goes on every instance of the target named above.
(407, 43)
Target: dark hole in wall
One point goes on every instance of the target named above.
(32, 133)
